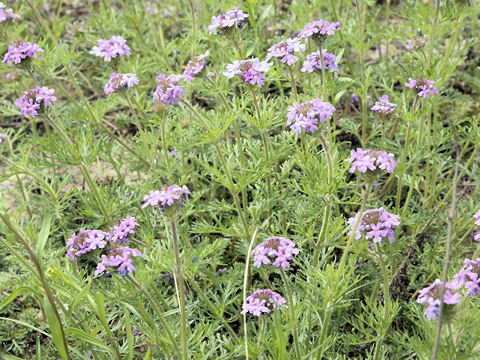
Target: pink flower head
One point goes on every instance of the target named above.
(469, 277)
(121, 229)
(319, 28)
(277, 249)
(168, 91)
(110, 49)
(375, 224)
(383, 106)
(7, 14)
(354, 98)
(477, 217)
(19, 51)
(225, 21)
(120, 81)
(431, 297)
(252, 70)
(363, 160)
(150, 11)
(166, 197)
(306, 116)
(262, 301)
(285, 49)
(194, 67)
(34, 99)
(84, 242)
(120, 258)
(314, 62)
(3, 136)
(424, 87)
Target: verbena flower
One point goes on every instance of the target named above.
(119, 258)
(477, 217)
(431, 297)
(168, 90)
(468, 277)
(85, 241)
(306, 116)
(375, 224)
(120, 81)
(33, 100)
(3, 136)
(122, 229)
(7, 14)
(383, 106)
(110, 49)
(166, 197)
(194, 67)
(416, 42)
(423, 86)
(252, 70)
(319, 28)
(225, 21)
(277, 249)
(262, 301)
(19, 51)
(314, 61)
(373, 160)
(285, 49)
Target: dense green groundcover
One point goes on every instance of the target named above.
(88, 159)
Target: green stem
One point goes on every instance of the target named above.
(292, 311)
(386, 314)
(434, 34)
(164, 139)
(329, 158)
(324, 83)
(137, 121)
(360, 14)
(319, 244)
(294, 84)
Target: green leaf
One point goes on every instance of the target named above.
(13, 295)
(78, 298)
(44, 233)
(91, 339)
(128, 325)
(55, 329)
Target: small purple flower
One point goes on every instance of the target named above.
(285, 49)
(477, 217)
(424, 87)
(469, 277)
(278, 250)
(121, 229)
(319, 28)
(262, 301)
(354, 98)
(306, 116)
(150, 11)
(375, 224)
(85, 241)
(20, 51)
(383, 106)
(120, 81)
(166, 197)
(3, 136)
(34, 99)
(174, 152)
(120, 258)
(168, 91)
(7, 14)
(363, 160)
(252, 70)
(431, 297)
(194, 67)
(110, 49)
(314, 62)
(225, 21)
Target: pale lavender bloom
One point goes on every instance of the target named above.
(110, 49)
(252, 70)
(3, 136)
(20, 51)
(424, 87)
(314, 62)
(431, 297)
(375, 224)
(384, 106)
(277, 249)
(85, 241)
(262, 301)
(174, 152)
(7, 14)
(225, 21)
(34, 99)
(319, 27)
(285, 49)
(120, 258)
(468, 277)
(477, 217)
(363, 160)
(120, 81)
(151, 11)
(307, 115)
(194, 67)
(166, 197)
(122, 229)
(354, 98)
(168, 91)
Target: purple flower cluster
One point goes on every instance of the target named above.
(225, 21)
(252, 70)
(424, 87)
(477, 217)
(121, 229)
(277, 249)
(431, 297)
(469, 277)
(314, 62)
(285, 49)
(119, 257)
(120, 81)
(194, 67)
(85, 241)
(375, 224)
(384, 106)
(363, 160)
(110, 49)
(319, 28)
(262, 301)
(305, 116)
(34, 99)
(166, 197)
(168, 90)
(19, 51)
(7, 14)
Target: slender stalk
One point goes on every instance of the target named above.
(318, 246)
(326, 320)
(387, 24)
(137, 121)
(434, 34)
(164, 139)
(386, 295)
(292, 311)
(294, 84)
(329, 158)
(360, 14)
(324, 84)
(192, 9)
